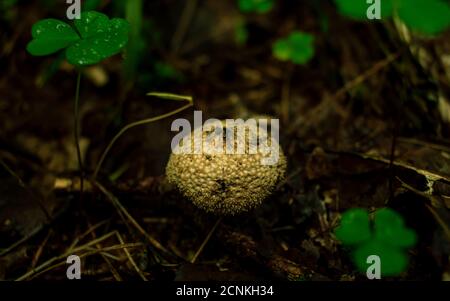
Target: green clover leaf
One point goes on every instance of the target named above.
(354, 228)
(390, 228)
(298, 47)
(393, 260)
(49, 36)
(425, 16)
(388, 239)
(258, 6)
(96, 38)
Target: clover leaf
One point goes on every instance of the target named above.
(298, 47)
(390, 229)
(93, 38)
(425, 16)
(387, 237)
(258, 6)
(51, 35)
(355, 227)
(393, 261)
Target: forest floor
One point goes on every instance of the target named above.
(359, 125)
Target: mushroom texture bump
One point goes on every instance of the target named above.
(226, 183)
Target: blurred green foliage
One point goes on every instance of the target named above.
(6, 9)
(136, 45)
(256, 6)
(425, 16)
(240, 33)
(386, 236)
(297, 47)
(89, 5)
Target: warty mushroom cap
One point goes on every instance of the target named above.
(223, 183)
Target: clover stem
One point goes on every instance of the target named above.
(134, 124)
(77, 130)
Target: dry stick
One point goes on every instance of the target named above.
(24, 186)
(39, 271)
(122, 209)
(142, 122)
(431, 145)
(433, 176)
(11, 172)
(41, 206)
(88, 231)
(207, 238)
(112, 269)
(14, 245)
(106, 254)
(67, 253)
(93, 242)
(351, 85)
(434, 200)
(38, 253)
(246, 249)
(77, 132)
(441, 222)
(367, 74)
(133, 263)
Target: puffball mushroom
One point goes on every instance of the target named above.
(225, 183)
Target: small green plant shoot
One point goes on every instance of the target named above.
(428, 17)
(385, 236)
(256, 6)
(298, 48)
(93, 38)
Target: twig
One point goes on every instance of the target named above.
(334, 100)
(431, 145)
(434, 200)
(144, 121)
(42, 268)
(24, 186)
(432, 176)
(122, 209)
(14, 245)
(205, 241)
(366, 74)
(77, 132)
(438, 218)
(105, 256)
(38, 253)
(88, 231)
(133, 263)
(11, 172)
